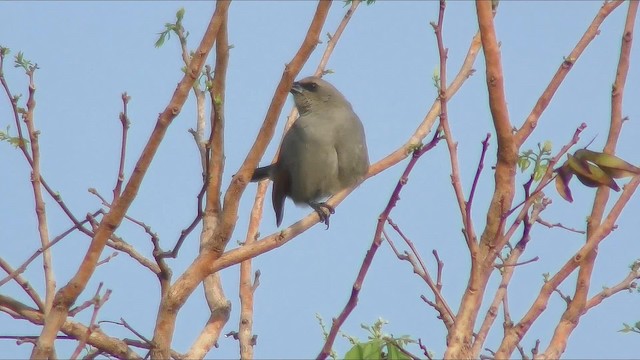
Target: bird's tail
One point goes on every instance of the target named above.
(261, 173)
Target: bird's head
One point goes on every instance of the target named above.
(313, 93)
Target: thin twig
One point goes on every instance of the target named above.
(628, 283)
(70, 292)
(98, 301)
(575, 309)
(567, 64)
(550, 225)
(476, 178)
(24, 284)
(124, 120)
(448, 317)
(375, 244)
(37, 253)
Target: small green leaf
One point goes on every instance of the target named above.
(394, 353)
(180, 14)
(372, 350)
(355, 353)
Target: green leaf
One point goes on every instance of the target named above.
(372, 350)
(355, 353)
(180, 14)
(162, 38)
(394, 353)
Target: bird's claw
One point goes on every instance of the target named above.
(324, 215)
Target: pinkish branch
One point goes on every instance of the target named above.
(446, 314)
(375, 244)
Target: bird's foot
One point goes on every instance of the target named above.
(324, 211)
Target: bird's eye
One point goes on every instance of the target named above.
(310, 86)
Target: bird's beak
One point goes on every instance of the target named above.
(296, 88)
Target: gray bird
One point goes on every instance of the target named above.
(323, 152)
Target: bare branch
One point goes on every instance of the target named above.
(532, 120)
(124, 120)
(70, 292)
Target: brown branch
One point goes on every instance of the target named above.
(117, 243)
(220, 309)
(97, 339)
(550, 225)
(507, 155)
(446, 314)
(280, 238)
(98, 301)
(375, 244)
(124, 120)
(501, 292)
(592, 31)
(511, 262)
(159, 254)
(37, 253)
(24, 284)
(22, 145)
(40, 208)
(452, 145)
(126, 325)
(627, 283)
(246, 291)
(514, 335)
(525, 205)
(245, 326)
(70, 292)
(200, 268)
(424, 349)
(576, 308)
(219, 305)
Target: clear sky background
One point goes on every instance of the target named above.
(91, 52)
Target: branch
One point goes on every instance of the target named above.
(37, 253)
(22, 145)
(124, 120)
(375, 244)
(627, 283)
(446, 314)
(592, 31)
(576, 308)
(515, 334)
(219, 305)
(40, 208)
(97, 304)
(280, 238)
(507, 155)
(97, 339)
(24, 284)
(201, 267)
(70, 292)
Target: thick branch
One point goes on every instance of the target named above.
(482, 265)
(97, 338)
(200, 268)
(576, 308)
(532, 120)
(66, 296)
(514, 335)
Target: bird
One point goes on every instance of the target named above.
(323, 152)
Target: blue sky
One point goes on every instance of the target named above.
(91, 52)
